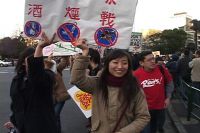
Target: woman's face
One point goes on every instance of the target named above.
(118, 67)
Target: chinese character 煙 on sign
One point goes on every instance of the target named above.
(72, 13)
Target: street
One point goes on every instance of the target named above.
(73, 121)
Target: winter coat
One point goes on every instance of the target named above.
(104, 118)
(183, 69)
(195, 73)
(60, 93)
(35, 112)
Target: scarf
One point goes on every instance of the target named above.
(115, 81)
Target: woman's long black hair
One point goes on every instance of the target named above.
(130, 87)
(20, 67)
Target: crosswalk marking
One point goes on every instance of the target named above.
(5, 72)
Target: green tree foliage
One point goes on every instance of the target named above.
(169, 41)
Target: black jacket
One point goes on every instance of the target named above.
(32, 102)
(183, 69)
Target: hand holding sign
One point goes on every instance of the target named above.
(46, 41)
(81, 43)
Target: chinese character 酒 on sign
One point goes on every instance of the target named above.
(35, 10)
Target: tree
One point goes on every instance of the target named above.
(150, 32)
(10, 48)
(21, 44)
(168, 41)
(7, 47)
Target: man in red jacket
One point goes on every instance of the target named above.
(157, 84)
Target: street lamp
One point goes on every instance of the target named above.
(196, 27)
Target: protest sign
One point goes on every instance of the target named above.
(106, 23)
(136, 42)
(82, 99)
(156, 53)
(61, 49)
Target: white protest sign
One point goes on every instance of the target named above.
(82, 99)
(61, 49)
(136, 42)
(107, 23)
(156, 53)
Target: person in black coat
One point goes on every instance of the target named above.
(95, 62)
(31, 93)
(183, 70)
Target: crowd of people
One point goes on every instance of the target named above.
(129, 93)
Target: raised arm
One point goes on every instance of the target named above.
(78, 72)
(46, 42)
(36, 62)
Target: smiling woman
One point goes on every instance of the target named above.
(118, 105)
(12, 17)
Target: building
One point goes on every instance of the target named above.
(183, 21)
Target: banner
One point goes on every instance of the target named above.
(106, 23)
(61, 49)
(82, 99)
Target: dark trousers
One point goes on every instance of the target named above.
(58, 108)
(157, 121)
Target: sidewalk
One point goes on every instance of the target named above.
(178, 114)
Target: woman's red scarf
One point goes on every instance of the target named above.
(115, 81)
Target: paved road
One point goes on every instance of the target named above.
(73, 121)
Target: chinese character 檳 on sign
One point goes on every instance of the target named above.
(72, 13)
(35, 10)
(107, 19)
(111, 2)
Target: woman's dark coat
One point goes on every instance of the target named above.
(32, 103)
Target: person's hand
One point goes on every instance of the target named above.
(50, 57)
(8, 125)
(81, 43)
(167, 102)
(46, 41)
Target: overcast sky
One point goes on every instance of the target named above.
(149, 14)
(156, 13)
